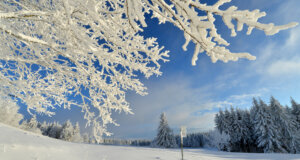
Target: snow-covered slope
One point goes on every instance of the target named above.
(16, 144)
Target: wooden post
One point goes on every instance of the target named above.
(182, 134)
(181, 144)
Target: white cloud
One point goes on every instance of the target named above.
(287, 68)
(293, 40)
(240, 101)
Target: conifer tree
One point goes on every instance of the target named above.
(291, 139)
(292, 130)
(45, 128)
(31, 125)
(227, 122)
(253, 113)
(165, 137)
(242, 130)
(247, 131)
(266, 130)
(76, 134)
(296, 112)
(234, 130)
(86, 138)
(67, 131)
(55, 130)
(280, 123)
(220, 121)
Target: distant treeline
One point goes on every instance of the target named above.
(141, 142)
(193, 140)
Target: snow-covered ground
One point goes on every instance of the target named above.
(17, 144)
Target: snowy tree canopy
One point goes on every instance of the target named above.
(92, 50)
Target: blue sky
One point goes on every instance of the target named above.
(191, 95)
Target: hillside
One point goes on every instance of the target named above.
(17, 144)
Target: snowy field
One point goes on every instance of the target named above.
(16, 144)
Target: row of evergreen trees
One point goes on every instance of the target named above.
(265, 128)
(66, 132)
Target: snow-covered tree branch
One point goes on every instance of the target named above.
(201, 29)
(54, 52)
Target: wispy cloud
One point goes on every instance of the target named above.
(284, 68)
(178, 98)
(240, 101)
(293, 40)
(281, 58)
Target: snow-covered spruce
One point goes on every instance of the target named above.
(164, 137)
(92, 50)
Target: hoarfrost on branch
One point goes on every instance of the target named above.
(53, 50)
